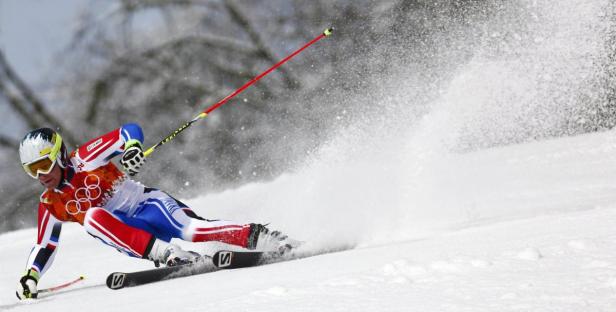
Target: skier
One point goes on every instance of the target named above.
(139, 221)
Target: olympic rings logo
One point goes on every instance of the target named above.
(84, 196)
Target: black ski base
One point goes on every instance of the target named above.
(226, 259)
(119, 280)
(223, 259)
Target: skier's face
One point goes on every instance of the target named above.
(52, 179)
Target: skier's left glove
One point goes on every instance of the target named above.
(133, 157)
(26, 289)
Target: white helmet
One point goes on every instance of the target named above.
(40, 150)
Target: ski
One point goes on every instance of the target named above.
(226, 259)
(223, 259)
(119, 280)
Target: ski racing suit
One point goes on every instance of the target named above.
(118, 211)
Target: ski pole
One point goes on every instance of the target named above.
(56, 288)
(203, 114)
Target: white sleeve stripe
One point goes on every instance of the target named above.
(41, 229)
(102, 158)
(128, 138)
(94, 153)
(46, 238)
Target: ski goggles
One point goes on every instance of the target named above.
(39, 166)
(45, 163)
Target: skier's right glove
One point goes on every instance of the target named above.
(26, 288)
(133, 157)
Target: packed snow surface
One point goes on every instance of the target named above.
(529, 227)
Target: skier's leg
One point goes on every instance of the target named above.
(167, 218)
(170, 218)
(112, 231)
(201, 230)
(252, 236)
(133, 240)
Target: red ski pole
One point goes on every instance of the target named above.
(56, 288)
(203, 114)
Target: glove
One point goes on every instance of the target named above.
(26, 288)
(133, 157)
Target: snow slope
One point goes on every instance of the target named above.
(520, 228)
(527, 227)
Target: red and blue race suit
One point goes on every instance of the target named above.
(117, 210)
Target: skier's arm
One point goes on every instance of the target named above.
(42, 254)
(133, 157)
(99, 151)
(132, 134)
(47, 241)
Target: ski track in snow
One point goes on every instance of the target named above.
(536, 234)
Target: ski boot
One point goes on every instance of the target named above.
(171, 254)
(263, 239)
